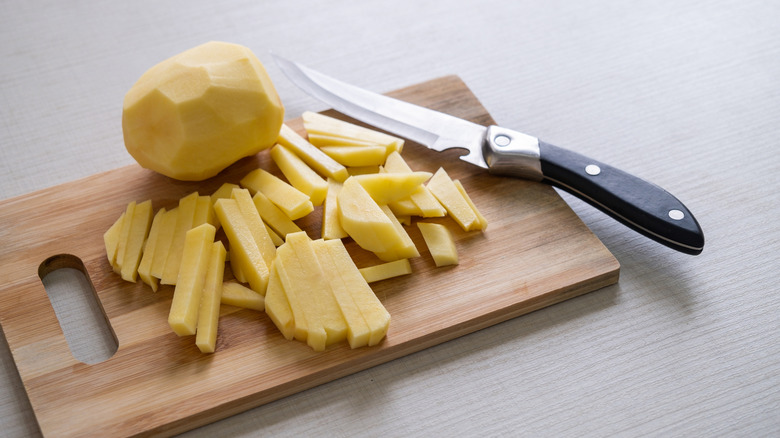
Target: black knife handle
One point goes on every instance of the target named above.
(638, 204)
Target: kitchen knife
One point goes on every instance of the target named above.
(638, 204)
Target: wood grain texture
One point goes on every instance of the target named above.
(160, 384)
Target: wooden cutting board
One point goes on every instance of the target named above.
(535, 252)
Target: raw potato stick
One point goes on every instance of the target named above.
(208, 314)
(386, 270)
(183, 317)
(145, 267)
(139, 229)
(236, 294)
(184, 220)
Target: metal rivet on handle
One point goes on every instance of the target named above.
(502, 140)
(676, 214)
(592, 169)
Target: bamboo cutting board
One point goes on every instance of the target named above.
(535, 252)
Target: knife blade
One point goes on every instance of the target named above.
(634, 202)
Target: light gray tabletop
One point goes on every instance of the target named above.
(683, 93)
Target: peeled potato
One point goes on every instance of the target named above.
(192, 115)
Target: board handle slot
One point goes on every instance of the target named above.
(83, 320)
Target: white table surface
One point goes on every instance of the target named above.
(683, 93)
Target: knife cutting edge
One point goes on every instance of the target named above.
(638, 204)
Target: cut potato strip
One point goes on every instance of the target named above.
(224, 191)
(440, 243)
(311, 155)
(425, 204)
(244, 249)
(386, 187)
(277, 241)
(184, 220)
(145, 266)
(447, 193)
(316, 123)
(208, 313)
(300, 175)
(124, 236)
(428, 205)
(480, 218)
(358, 332)
(404, 248)
(198, 243)
(314, 283)
(256, 225)
(386, 270)
(277, 307)
(321, 140)
(236, 294)
(139, 230)
(396, 164)
(235, 266)
(363, 219)
(273, 216)
(405, 207)
(164, 242)
(204, 212)
(111, 240)
(331, 225)
(356, 156)
(294, 203)
(374, 313)
(293, 277)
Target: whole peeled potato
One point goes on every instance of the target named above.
(192, 115)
